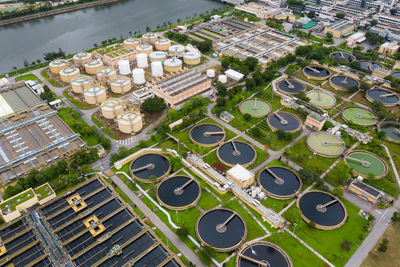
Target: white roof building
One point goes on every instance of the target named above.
(233, 74)
(240, 175)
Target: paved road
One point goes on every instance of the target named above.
(172, 237)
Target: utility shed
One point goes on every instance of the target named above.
(237, 76)
(241, 176)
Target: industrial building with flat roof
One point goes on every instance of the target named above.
(177, 89)
(113, 54)
(340, 28)
(261, 42)
(21, 246)
(31, 136)
(96, 228)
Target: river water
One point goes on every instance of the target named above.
(80, 29)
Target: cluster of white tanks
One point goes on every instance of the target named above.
(142, 61)
(138, 76)
(58, 65)
(69, 73)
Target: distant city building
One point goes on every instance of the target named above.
(340, 28)
(388, 20)
(267, 12)
(389, 48)
(355, 39)
(315, 121)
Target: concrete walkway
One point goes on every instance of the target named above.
(172, 237)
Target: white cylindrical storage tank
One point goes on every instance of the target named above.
(112, 108)
(131, 43)
(149, 37)
(123, 67)
(222, 78)
(82, 57)
(176, 50)
(80, 83)
(144, 48)
(69, 73)
(130, 123)
(106, 74)
(210, 73)
(191, 58)
(121, 85)
(138, 76)
(142, 61)
(95, 95)
(156, 69)
(158, 56)
(93, 66)
(162, 44)
(58, 65)
(173, 65)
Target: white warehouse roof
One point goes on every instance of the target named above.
(240, 173)
(233, 74)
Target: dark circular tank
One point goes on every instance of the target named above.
(369, 65)
(291, 86)
(325, 210)
(396, 74)
(317, 71)
(262, 252)
(344, 81)
(203, 134)
(150, 165)
(222, 229)
(284, 121)
(244, 154)
(178, 192)
(384, 96)
(279, 182)
(343, 57)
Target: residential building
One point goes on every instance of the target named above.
(389, 48)
(389, 20)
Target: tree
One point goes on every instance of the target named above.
(255, 131)
(153, 105)
(183, 232)
(250, 84)
(393, 11)
(329, 35)
(346, 245)
(396, 216)
(338, 191)
(247, 116)
(221, 101)
(311, 14)
(221, 89)
(383, 246)
(373, 22)
(205, 46)
(340, 15)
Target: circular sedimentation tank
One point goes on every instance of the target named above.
(364, 163)
(322, 208)
(130, 123)
(148, 166)
(121, 85)
(69, 73)
(325, 144)
(279, 182)
(321, 99)
(255, 107)
(178, 192)
(158, 56)
(391, 129)
(207, 134)
(385, 96)
(222, 229)
(342, 82)
(162, 44)
(369, 65)
(82, 57)
(343, 57)
(284, 121)
(95, 95)
(106, 73)
(291, 86)
(112, 108)
(93, 66)
(144, 48)
(131, 43)
(80, 83)
(236, 152)
(57, 65)
(262, 253)
(173, 65)
(396, 74)
(359, 116)
(315, 72)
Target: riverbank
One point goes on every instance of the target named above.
(56, 12)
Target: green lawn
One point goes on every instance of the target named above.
(338, 175)
(73, 101)
(43, 191)
(207, 201)
(52, 81)
(27, 77)
(13, 201)
(328, 243)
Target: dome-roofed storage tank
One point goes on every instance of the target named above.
(69, 73)
(121, 85)
(138, 76)
(144, 48)
(112, 108)
(176, 50)
(131, 43)
(191, 58)
(82, 57)
(130, 123)
(93, 66)
(58, 65)
(124, 68)
(210, 73)
(95, 95)
(80, 83)
(158, 56)
(162, 44)
(142, 61)
(157, 69)
(149, 37)
(222, 78)
(106, 74)
(173, 65)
